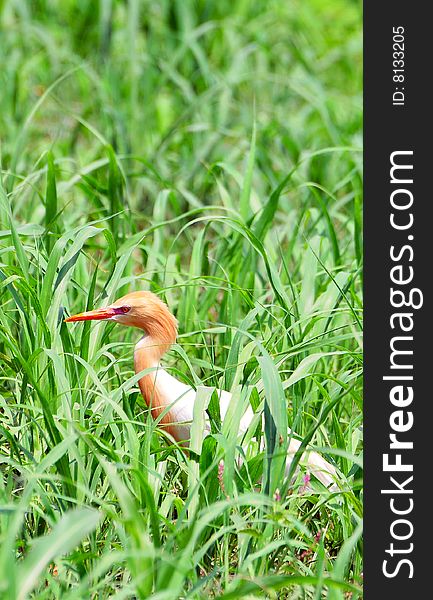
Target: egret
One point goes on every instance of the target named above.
(172, 402)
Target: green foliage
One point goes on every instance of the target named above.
(210, 152)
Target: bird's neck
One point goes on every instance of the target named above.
(147, 355)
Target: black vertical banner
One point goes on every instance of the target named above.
(398, 299)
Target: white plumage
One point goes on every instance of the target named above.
(171, 401)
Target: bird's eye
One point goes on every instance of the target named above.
(125, 309)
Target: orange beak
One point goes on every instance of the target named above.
(96, 315)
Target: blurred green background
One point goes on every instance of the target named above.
(209, 151)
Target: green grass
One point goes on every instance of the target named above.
(210, 152)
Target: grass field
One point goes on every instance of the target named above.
(209, 152)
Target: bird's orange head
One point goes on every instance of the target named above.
(138, 309)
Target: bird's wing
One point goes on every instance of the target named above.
(312, 461)
(181, 398)
(247, 417)
(315, 463)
